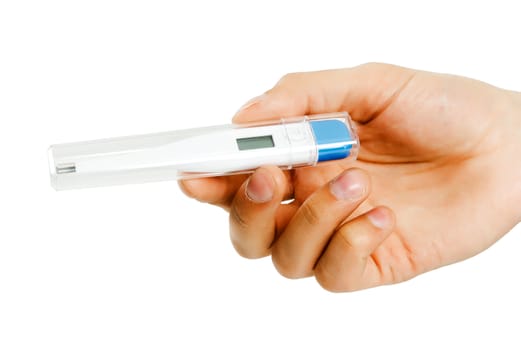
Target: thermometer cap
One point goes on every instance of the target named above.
(333, 139)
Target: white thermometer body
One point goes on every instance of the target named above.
(212, 151)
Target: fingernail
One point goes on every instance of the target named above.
(351, 185)
(259, 188)
(379, 218)
(251, 102)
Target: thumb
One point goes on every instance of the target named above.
(363, 91)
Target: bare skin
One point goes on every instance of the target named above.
(437, 180)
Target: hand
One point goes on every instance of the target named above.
(437, 180)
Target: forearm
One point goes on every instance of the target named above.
(504, 164)
(516, 155)
(518, 108)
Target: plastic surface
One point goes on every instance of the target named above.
(330, 136)
(202, 152)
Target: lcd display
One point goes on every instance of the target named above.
(257, 142)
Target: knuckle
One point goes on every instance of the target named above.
(326, 280)
(243, 242)
(240, 249)
(310, 213)
(331, 282)
(355, 240)
(284, 266)
(238, 222)
(290, 78)
(374, 65)
(247, 252)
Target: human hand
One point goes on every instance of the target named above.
(437, 180)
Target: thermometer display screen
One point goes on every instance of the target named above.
(257, 142)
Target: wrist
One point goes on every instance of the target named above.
(516, 156)
(507, 164)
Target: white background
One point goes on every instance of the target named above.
(143, 267)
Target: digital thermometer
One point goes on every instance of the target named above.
(202, 152)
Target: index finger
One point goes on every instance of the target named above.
(363, 91)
